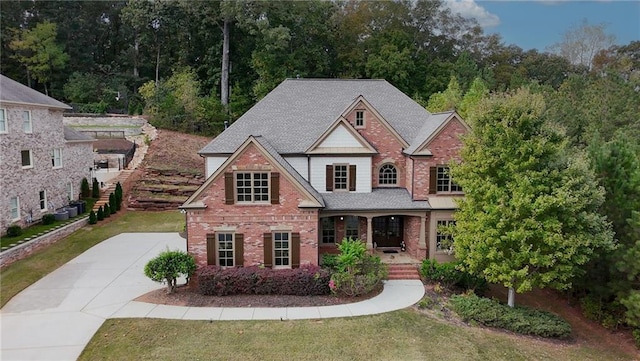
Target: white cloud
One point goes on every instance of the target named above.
(470, 9)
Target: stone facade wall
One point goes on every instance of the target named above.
(26, 183)
(252, 220)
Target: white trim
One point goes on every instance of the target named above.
(3, 120)
(24, 122)
(53, 158)
(30, 159)
(252, 187)
(355, 119)
(40, 199)
(17, 208)
(273, 248)
(233, 248)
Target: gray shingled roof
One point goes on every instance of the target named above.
(427, 129)
(289, 168)
(14, 92)
(296, 113)
(73, 135)
(378, 199)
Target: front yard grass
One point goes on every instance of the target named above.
(25, 272)
(400, 335)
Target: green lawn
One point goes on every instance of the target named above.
(25, 272)
(400, 335)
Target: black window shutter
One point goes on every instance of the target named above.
(228, 188)
(352, 177)
(275, 188)
(295, 250)
(433, 175)
(329, 177)
(239, 249)
(268, 250)
(211, 249)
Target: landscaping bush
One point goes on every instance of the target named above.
(93, 219)
(85, 191)
(95, 189)
(636, 337)
(118, 195)
(100, 214)
(48, 219)
(448, 275)
(608, 312)
(107, 210)
(112, 203)
(14, 231)
(303, 281)
(358, 273)
(521, 320)
(168, 266)
(329, 261)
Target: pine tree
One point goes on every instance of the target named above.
(107, 210)
(85, 190)
(95, 191)
(112, 203)
(100, 214)
(92, 217)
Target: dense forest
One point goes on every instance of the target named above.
(191, 65)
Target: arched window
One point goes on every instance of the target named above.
(388, 175)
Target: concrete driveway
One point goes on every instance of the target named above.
(55, 318)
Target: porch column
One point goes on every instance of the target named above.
(369, 233)
(422, 243)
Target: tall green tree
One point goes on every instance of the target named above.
(477, 92)
(36, 49)
(448, 99)
(530, 216)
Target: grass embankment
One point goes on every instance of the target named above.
(25, 272)
(401, 335)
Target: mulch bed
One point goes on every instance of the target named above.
(184, 296)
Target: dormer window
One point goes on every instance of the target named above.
(359, 118)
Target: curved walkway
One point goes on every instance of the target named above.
(55, 318)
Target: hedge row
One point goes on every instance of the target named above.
(448, 275)
(521, 320)
(303, 281)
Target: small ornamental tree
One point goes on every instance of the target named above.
(93, 219)
(119, 195)
(85, 191)
(112, 203)
(100, 214)
(107, 210)
(95, 189)
(168, 266)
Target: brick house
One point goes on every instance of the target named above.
(43, 162)
(319, 160)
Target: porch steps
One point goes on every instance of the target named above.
(403, 271)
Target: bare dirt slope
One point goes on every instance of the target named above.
(171, 171)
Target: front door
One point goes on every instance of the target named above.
(387, 231)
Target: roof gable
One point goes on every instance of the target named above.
(286, 170)
(422, 147)
(341, 138)
(16, 93)
(361, 103)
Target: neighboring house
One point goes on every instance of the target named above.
(318, 160)
(43, 162)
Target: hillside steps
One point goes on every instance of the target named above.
(111, 188)
(403, 271)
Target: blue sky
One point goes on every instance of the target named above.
(541, 23)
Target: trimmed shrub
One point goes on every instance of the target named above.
(112, 203)
(14, 231)
(521, 320)
(118, 195)
(95, 189)
(329, 261)
(48, 219)
(100, 214)
(448, 275)
(168, 266)
(303, 281)
(107, 210)
(93, 219)
(85, 191)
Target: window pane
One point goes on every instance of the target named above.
(26, 121)
(388, 175)
(3, 122)
(225, 249)
(26, 158)
(340, 176)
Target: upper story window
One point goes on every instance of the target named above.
(43, 200)
(252, 187)
(27, 125)
(56, 158)
(444, 182)
(27, 159)
(388, 175)
(15, 208)
(341, 177)
(328, 230)
(359, 118)
(3, 121)
(443, 241)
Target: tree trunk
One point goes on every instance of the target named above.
(158, 66)
(224, 83)
(136, 49)
(512, 297)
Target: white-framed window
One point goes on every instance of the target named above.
(252, 187)
(14, 204)
(27, 125)
(43, 200)
(3, 121)
(388, 175)
(351, 227)
(281, 250)
(225, 254)
(340, 176)
(443, 241)
(56, 158)
(359, 118)
(444, 182)
(328, 230)
(26, 158)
